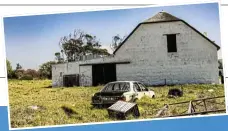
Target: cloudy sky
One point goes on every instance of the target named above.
(33, 40)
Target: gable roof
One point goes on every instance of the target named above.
(164, 17)
(161, 17)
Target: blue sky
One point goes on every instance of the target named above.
(33, 40)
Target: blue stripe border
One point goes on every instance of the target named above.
(210, 123)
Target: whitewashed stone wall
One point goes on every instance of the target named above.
(58, 70)
(194, 62)
(84, 71)
(86, 75)
(146, 49)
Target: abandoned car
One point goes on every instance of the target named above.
(121, 90)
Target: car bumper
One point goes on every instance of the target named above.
(103, 103)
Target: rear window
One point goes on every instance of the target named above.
(117, 87)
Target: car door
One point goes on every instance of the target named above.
(138, 91)
(144, 90)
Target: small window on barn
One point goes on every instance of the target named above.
(171, 43)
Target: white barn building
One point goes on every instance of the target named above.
(161, 50)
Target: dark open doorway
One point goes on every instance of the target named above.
(103, 73)
(71, 80)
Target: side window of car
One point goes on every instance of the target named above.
(117, 87)
(143, 88)
(125, 86)
(136, 87)
(108, 88)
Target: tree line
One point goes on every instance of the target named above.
(44, 71)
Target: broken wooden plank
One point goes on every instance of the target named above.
(205, 106)
(190, 108)
(162, 111)
(197, 100)
(197, 113)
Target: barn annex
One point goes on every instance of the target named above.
(161, 50)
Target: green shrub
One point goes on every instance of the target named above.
(26, 77)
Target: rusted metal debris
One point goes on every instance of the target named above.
(192, 106)
(121, 109)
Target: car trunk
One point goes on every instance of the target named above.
(110, 94)
(108, 97)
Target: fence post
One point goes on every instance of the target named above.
(190, 107)
(205, 106)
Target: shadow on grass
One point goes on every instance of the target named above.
(50, 86)
(69, 111)
(100, 106)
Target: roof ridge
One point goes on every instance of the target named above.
(161, 16)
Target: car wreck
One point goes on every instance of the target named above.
(129, 91)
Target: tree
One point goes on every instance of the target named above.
(91, 44)
(18, 66)
(9, 69)
(72, 45)
(101, 51)
(79, 43)
(31, 72)
(19, 73)
(116, 41)
(45, 69)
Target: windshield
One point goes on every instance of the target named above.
(117, 87)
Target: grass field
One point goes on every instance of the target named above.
(57, 106)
